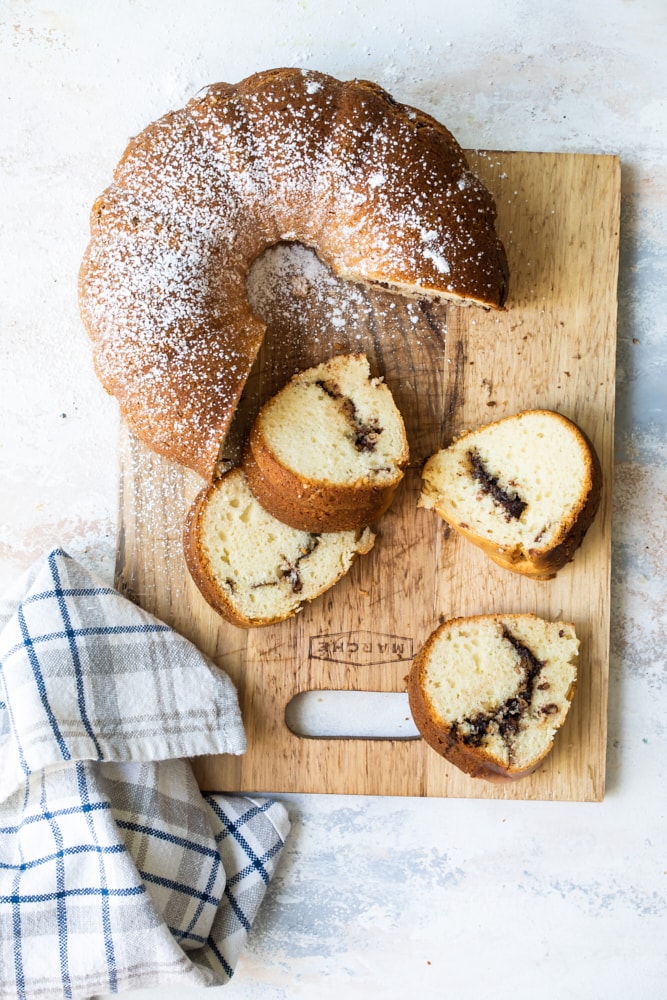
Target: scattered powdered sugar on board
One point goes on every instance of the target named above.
(289, 278)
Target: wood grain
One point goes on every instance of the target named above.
(449, 369)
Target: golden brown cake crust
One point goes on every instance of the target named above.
(380, 190)
(306, 504)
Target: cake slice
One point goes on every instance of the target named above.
(490, 692)
(525, 489)
(328, 451)
(252, 569)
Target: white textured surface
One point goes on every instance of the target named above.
(375, 896)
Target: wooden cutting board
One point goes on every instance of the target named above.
(449, 368)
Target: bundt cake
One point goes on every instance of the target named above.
(381, 191)
(490, 692)
(328, 451)
(525, 489)
(252, 569)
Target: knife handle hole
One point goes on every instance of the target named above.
(337, 714)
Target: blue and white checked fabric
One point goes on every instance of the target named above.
(116, 872)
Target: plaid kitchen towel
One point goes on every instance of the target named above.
(116, 872)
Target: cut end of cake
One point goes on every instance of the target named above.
(524, 489)
(253, 569)
(328, 451)
(490, 692)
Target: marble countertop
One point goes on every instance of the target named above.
(374, 895)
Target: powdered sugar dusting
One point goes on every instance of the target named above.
(201, 193)
(313, 85)
(440, 263)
